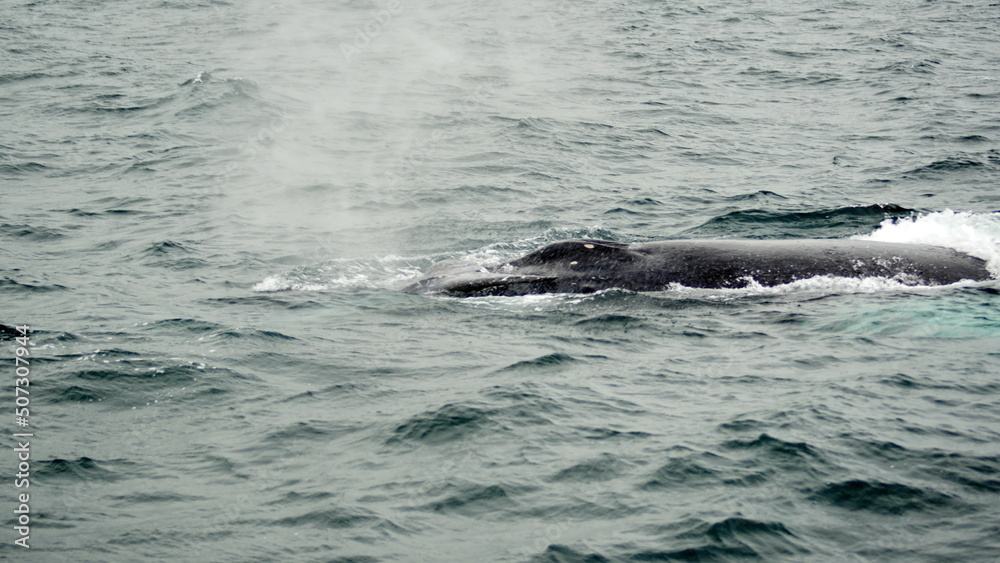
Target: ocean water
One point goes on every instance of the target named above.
(207, 210)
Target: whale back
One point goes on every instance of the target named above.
(586, 265)
(737, 263)
(584, 253)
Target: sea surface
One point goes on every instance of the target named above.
(208, 209)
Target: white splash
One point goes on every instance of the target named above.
(977, 234)
(383, 272)
(814, 286)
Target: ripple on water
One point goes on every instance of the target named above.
(975, 474)
(680, 473)
(542, 362)
(122, 379)
(331, 518)
(31, 233)
(83, 469)
(730, 539)
(14, 286)
(763, 223)
(449, 423)
(602, 468)
(883, 498)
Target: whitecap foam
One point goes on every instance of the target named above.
(391, 270)
(804, 288)
(816, 285)
(383, 272)
(277, 283)
(977, 234)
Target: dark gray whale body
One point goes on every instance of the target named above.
(585, 266)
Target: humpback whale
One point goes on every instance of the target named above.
(586, 265)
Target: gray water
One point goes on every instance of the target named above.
(207, 210)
